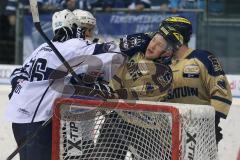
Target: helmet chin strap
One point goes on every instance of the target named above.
(166, 59)
(169, 49)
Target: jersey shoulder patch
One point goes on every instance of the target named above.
(209, 60)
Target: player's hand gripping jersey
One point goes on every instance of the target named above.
(198, 78)
(33, 97)
(142, 79)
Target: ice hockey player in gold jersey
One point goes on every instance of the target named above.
(144, 76)
(198, 77)
(142, 79)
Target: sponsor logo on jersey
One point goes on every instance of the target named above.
(164, 79)
(46, 49)
(183, 92)
(191, 71)
(134, 70)
(216, 64)
(24, 111)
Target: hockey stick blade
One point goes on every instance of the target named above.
(30, 137)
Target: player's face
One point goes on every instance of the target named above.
(89, 31)
(157, 48)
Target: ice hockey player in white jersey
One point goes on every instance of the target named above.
(33, 86)
(87, 21)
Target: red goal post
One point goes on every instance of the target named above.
(79, 127)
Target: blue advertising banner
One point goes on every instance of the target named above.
(116, 24)
(110, 26)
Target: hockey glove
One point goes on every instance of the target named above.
(63, 34)
(97, 89)
(134, 43)
(164, 60)
(78, 32)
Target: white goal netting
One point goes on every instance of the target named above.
(132, 130)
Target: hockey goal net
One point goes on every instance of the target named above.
(132, 130)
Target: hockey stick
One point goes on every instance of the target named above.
(36, 21)
(35, 15)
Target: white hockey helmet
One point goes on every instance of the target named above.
(64, 18)
(84, 18)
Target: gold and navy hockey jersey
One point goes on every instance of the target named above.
(142, 79)
(198, 78)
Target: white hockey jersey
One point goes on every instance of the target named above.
(32, 99)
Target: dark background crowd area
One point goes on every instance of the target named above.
(8, 9)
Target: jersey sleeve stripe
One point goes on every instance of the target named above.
(224, 100)
(116, 78)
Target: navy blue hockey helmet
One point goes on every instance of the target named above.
(176, 30)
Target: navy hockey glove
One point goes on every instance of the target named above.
(164, 60)
(102, 90)
(93, 86)
(97, 90)
(79, 32)
(64, 33)
(134, 43)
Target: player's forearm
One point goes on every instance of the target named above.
(221, 105)
(221, 97)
